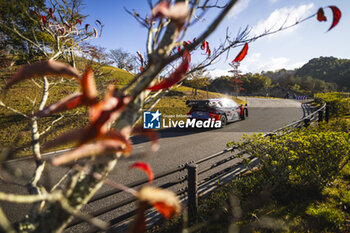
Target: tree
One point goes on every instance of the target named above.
(16, 13)
(123, 59)
(167, 25)
(197, 80)
(255, 83)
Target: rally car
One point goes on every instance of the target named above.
(223, 109)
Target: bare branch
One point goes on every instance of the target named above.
(85, 217)
(12, 109)
(51, 125)
(25, 199)
(5, 223)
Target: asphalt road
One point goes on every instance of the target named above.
(177, 147)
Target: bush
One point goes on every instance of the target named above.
(339, 103)
(310, 156)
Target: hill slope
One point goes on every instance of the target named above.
(329, 69)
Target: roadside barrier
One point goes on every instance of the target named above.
(191, 180)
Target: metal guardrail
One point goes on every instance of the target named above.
(202, 176)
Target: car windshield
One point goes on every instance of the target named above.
(228, 103)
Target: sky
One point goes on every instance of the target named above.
(288, 49)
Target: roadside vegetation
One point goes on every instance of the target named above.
(339, 103)
(301, 185)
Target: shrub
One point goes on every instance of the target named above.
(339, 103)
(309, 157)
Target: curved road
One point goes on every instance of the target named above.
(177, 147)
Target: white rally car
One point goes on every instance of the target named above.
(222, 109)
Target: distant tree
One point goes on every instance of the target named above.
(255, 83)
(328, 69)
(197, 80)
(19, 14)
(123, 59)
(221, 84)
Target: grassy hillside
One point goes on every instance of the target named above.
(15, 129)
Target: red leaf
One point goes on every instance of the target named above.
(111, 142)
(165, 201)
(89, 87)
(141, 58)
(151, 134)
(242, 54)
(106, 104)
(69, 102)
(146, 168)
(95, 32)
(86, 26)
(62, 30)
(79, 21)
(320, 15)
(43, 19)
(209, 52)
(104, 115)
(51, 12)
(98, 21)
(115, 135)
(98, 148)
(336, 16)
(177, 76)
(43, 68)
(207, 48)
(203, 45)
(88, 97)
(141, 69)
(68, 24)
(178, 13)
(160, 10)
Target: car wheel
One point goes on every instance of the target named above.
(223, 120)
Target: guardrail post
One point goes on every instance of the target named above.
(320, 116)
(192, 178)
(306, 122)
(327, 112)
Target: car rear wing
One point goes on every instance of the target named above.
(191, 103)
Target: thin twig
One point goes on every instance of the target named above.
(25, 199)
(102, 225)
(51, 125)
(12, 109)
